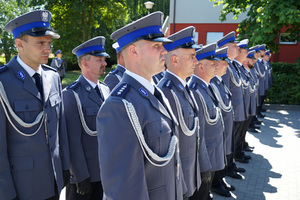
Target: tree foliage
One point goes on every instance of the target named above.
(265, 19)
(79, 20)
(9, 10)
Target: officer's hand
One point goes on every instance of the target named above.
(206, 177)
(66, 177)
(84, 187)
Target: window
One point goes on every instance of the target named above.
(213, 37)
(287, 38)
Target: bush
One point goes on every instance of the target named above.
(286, 84)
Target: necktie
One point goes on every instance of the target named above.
(213, 95)
(157, 94)
(38, 83)
(188, 96)
(99, 93)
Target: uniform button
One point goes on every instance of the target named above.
(12, 167)
(160, 130)
(48, 121)
(26, 107)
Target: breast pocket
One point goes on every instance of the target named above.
(188, 114)
(27, 110)
(91, 114)
(158, 136)
(55, 100)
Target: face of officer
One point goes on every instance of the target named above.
(59, 55)
(93, 67)
(251, 63)
(206, 69)
(34, 50)
(243, 53)
(182, 62)
(145, 58)
(221, 67)
(233, 50)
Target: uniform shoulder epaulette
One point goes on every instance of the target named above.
(74, 85)
(3, 68)
(49, 67)
(168, 84)
(103, 83)
(193, 86)
(115, 71)
(121, 90)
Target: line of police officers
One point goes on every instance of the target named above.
(127, 138)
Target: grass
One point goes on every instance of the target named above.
(73, 75)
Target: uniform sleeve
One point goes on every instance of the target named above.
(7, 189)
(53, 63)
(226, 78)
(205, 164)
(120, 156)
(78, 167)
(63, 138)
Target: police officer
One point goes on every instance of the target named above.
(249, 64)
(239, 62)
(181, 61)
(58, 64)
(210, 111)
(115, 76)
(260, 67)
(34, 147)
(82, 100)
(137, 130)
(223, 95)
(234, 84)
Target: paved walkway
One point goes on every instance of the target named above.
(273, 173)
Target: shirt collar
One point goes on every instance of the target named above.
(148, 85)
(201, 80)
(121, 66)
(220, 79)
(182, 81)
(90, 82)
(238, 62)
(28, 69)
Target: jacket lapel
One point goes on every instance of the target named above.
(92, 94)
(23, 76)
(147, 95)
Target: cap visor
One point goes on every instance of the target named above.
(215, 58)
(161, 39)
(102, 54)
(44, 33)
(197, 47)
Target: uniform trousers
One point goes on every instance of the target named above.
(95, 193)
(245, 128)
(238, 138)
(204, 190)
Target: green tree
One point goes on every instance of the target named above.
(9, 10)
(264, 20)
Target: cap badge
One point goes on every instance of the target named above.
(45, 16)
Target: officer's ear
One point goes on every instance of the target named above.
(132, 49)
(19, 43)
(174, 59)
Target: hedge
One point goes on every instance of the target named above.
(286, 84)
